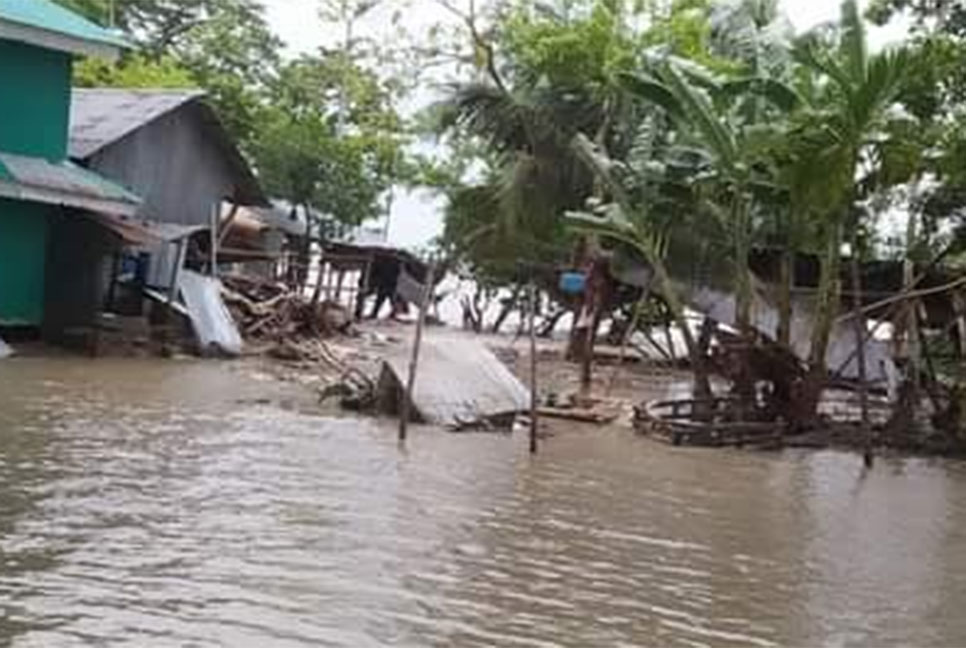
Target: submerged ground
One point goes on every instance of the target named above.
(174, 503)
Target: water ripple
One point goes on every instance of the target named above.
(142, 506)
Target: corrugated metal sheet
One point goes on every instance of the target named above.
(62, 183)
(145, 232)
(99, 117)
(209, 316)
(460, 381)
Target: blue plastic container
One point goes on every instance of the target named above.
(573, 283)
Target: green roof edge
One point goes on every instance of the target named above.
(51, 17)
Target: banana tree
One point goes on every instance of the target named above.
(630, 222)
(713, 124)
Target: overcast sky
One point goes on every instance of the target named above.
(416, 218)
(297, 23)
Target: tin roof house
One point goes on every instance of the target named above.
(43, 193)
(168, 146)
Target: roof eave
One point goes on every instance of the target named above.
(19, 191)
(58, 41)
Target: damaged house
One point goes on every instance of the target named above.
(169, 148)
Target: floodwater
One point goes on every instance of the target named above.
(147, 503)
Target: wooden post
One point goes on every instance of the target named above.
(225, 228)
(414, 361)
(112, 289)
(213, 257)
(959, 309)
(319, 277)
(534, 416)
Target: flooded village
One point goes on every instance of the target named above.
(681, 365)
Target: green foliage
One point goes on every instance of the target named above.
(134, 71)
(302, 160)
(588, 52)
(223, 46)
(321, 129)
(330, 139)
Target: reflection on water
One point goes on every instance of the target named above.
(144, 504)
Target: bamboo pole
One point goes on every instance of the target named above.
(404, 408)
(534, 420)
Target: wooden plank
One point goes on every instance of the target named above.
(580, 414)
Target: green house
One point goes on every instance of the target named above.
(40, 188)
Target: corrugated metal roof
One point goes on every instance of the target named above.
(101, 116)
(460, 381)
(144, 231)
(55, 20)
(62, 183)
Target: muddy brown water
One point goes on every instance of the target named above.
(145, 503)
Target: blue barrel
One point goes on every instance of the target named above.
(573, 283)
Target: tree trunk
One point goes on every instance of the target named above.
(702, 380)
(829, 291)
(907, 343)
(860, 330)
(786, 282)
(743, 279)
(597, 293)
(305, 254)
(703, 394)
(744, 296)
(508, 305)
(550, 324)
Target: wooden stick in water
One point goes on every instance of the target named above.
(534, 422)
(417, 342)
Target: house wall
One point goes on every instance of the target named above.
(78, 273)
(34, 100)
(23, 244)
(173, 164)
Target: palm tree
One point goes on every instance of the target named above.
(854, 91)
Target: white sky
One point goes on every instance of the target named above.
(416, 218)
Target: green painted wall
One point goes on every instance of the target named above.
(23, 256)
(34, 100)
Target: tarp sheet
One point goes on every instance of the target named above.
(209, 316)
